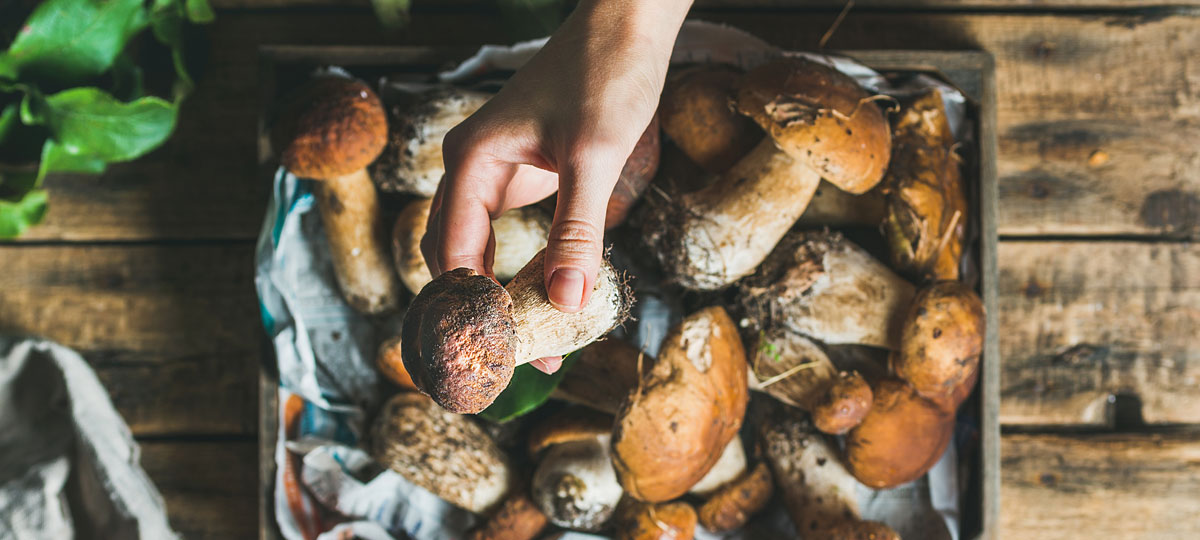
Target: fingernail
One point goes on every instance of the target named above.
(566, 289)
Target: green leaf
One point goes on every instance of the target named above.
(8, 119)
(527, 390)
(55, 158)
(128, 79)
(70, 40)
(166, 21)
(17, 215)
(200, 12)
(89, 121)
(392, 13)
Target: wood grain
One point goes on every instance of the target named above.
(1116, 486)
(173, 332)
(1081, 321)
(210, 488)
(1095, 139)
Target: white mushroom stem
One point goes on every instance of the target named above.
(542, 330)
(349, 208)
(730, 226)
(818, 491)
(575, 486)
(728, 468)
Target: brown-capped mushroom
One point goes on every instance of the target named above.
(520, 234)
(391, 365)
(464, 334)
(687, 407)
(637, 173)
(824, 286)
(698, 116)
(330, 131)
(843, 404)
(821, 124)
(442, 452)
(818, 492)
(926, 200)
(412, 161)
(516, 519)
(861, 530)
(736, 502)
(663, 521)
(574, 483)
(941, 340)
(602, 376)
(900, 439)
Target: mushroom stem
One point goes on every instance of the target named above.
(542, 330)
(730, 226)
(349, 209)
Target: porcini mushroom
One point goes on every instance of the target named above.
(603, 374)
(736, 502)
(330, 131)
(900, 439)
(665, 521)
(821, 285)
(464, 334)
(412, 161)
(926, 201)
(843, 404)
(520, 234)
(820, 124)
(687, 407)
(832, 207)
(818, 492)
(442, 452)
(698, 116)
(574, 483)
(790, 367)
(941, 340)
(728, 467)
(391, 364)
(516, 519)
(637, 173)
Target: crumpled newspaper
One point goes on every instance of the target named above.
(68, 462)
(325, 487)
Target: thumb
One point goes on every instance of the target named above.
(575, 246)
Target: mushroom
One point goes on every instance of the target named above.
(520, 233)
(687, 407)
(602, 376)
(790, 367)
(736, 502)
(821, 285)
(412, 161)
(902, 436)
(391, 365)
(821, 124)
(637, 173)
(440, 451)
(330, 131)
(728, 468)
(517, 519)
(941, 341)
(464, 334)
(574, 484)
(843, 405)
(697, 115)
(832, 207)
(664, 521)
(926, 202)
(861, 530)
(818, 492)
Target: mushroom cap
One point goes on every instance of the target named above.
(900, 439)
(573, 423)
(390, 362)
(664, 521)
(698, 116)
(458, 340)
(843, 405)
(332, 127)
(821, 117)
(941, 340)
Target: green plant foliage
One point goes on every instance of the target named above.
(72, 97)
(528, 390)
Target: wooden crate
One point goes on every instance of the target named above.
(973, 72)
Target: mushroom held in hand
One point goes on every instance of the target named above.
(664, 521)
(824, 286)
(901, 437)
(941, 340)
(843, 405)
(926, 202)
(330, 131)
(440, 451)
(675, 425)
(520, 234)
(464, 334)
(821, 124)
(412, 161)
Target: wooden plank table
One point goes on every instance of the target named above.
(146, 270)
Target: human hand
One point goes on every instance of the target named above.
(566, 121)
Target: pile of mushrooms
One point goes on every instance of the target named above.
(853, 361)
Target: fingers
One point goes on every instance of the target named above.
(459, 233)
(575, 246)
(547, 365)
